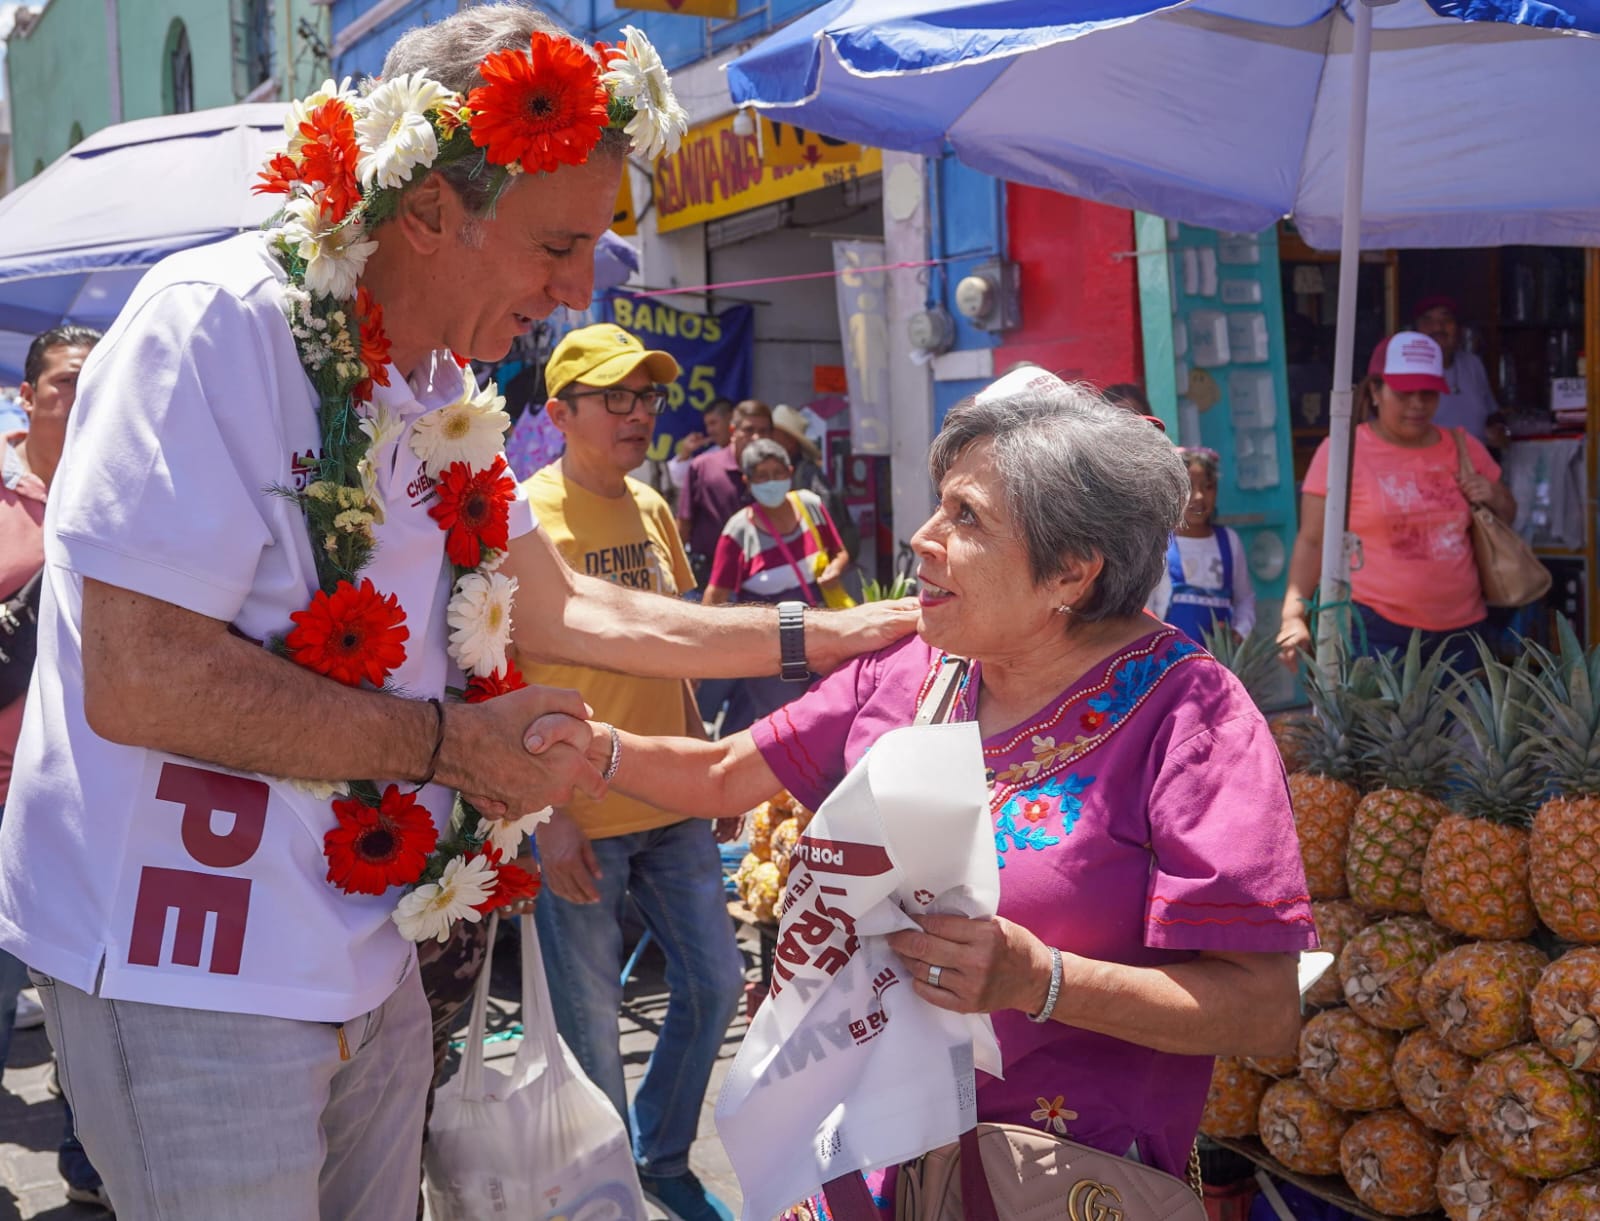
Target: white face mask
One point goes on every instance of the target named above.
(770, 492)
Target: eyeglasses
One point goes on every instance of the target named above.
(619, 400)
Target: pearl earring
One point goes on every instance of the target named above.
(1063, 610)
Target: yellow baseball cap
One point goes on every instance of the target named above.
(602, 355)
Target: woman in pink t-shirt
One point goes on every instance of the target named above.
(1410, 507)
(1152, 900)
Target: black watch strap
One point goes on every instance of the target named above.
(792, 642)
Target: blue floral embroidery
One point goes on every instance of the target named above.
(1136, 676)
(1068, 792)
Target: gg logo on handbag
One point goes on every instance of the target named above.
(1093, 1201)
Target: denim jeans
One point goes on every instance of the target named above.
(675, 876)
(1386, 636)
(195, 1115)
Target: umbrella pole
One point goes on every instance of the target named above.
(1334, 585)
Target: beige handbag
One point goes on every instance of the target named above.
(1509, 571)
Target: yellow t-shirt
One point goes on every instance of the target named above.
(629, 540)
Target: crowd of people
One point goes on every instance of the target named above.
(168, 770)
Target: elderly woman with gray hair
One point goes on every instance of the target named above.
(1152, 902)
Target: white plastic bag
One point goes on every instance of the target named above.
(844, 1067)
(541, 1143)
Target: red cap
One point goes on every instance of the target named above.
(1409, 361)
(1436, 301)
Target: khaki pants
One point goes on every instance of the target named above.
(194, 1115)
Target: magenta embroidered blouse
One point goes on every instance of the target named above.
(1140, 817)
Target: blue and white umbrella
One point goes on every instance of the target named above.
(1231, 114)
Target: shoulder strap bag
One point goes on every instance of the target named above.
(19, 639)
(1509, 571)
(1006, 1172)
(833, 592)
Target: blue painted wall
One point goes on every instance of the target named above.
(968, 229)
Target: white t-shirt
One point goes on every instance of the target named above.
(150, 877)
(1202, 567)
(1470, 402)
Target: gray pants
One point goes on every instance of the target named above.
(194, 1115)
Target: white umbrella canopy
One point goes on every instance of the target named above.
(1231, 114)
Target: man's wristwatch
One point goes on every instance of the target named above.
(792, 642)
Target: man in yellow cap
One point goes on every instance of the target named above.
(606, 390)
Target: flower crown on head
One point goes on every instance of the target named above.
(350, 155)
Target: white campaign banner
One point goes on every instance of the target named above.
(844, 1067)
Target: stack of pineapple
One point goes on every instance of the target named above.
(1450, 832)
(775, 826)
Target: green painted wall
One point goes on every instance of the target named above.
(58, 74)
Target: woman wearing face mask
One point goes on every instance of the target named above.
(1410, 506)
(768, 551)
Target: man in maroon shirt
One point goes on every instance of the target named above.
(714, 488)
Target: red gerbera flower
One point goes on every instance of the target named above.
(282, 172)
(512, 884)
(545, 109)
(475, 508)
(374, 344)
(329, 156)
(352, 635)
(373, 849)
(499, 683)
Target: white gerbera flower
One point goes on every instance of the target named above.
(300, 109)
(506, 833)
(659, 122)
(334, 255)
(381, 427)
(430, 911)
(479, 616)
(393, 130)
(468, 430)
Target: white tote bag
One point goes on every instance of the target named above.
(539, 1143)
(844, 1067)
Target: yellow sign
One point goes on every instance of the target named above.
(717, 172)
(624, 220)
(686, 8)
(790, 145)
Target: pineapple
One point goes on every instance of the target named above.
(1326, 789)
(1473, 1186)
(1532, 1114)
(784, 837)
(1391, 1160)
(1432, 1077)
(763, 820)
(1233, 1100)
(764, 891)
(1300, 1129)
(1475, 873)
(1346, 1061)
(1564, 852)
(1337, 921)
(1566, 1009)
(1279, 1068)
(1477, 997)
(1573, 1199)
(1381, 968)
(1404, 740)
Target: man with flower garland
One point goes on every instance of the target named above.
(285, 517)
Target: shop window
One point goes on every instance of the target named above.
(178, 83)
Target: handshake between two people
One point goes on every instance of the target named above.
(522, 751)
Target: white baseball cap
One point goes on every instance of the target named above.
(1409, 361)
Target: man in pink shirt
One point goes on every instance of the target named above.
(27, 465)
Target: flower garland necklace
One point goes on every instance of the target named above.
(348, 160)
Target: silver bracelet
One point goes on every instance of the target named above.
(1055, 989)
(616, 755)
